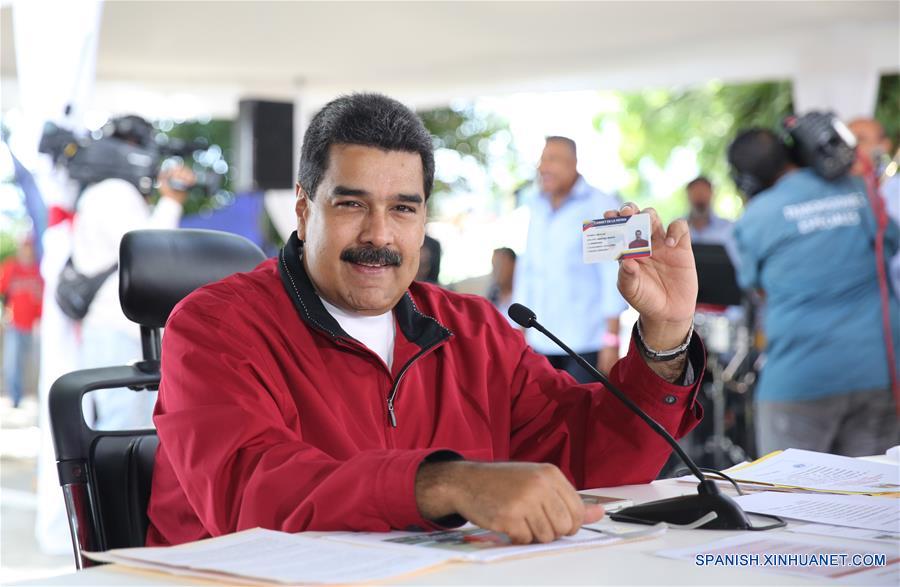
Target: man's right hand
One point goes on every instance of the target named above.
(530, 502)
(174, 183)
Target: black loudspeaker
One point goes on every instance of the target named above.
(264, 146)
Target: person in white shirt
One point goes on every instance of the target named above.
(105, 212)
(706, 227)
(578, 301)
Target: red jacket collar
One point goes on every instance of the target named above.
(422, 330)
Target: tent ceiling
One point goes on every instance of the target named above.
(267, 44)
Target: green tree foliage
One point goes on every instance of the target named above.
(7, 244)
(702, 120)
(219, 136)
(216, 134)
(888, 109)
(467, 132)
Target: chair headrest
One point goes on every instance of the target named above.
(157, 268)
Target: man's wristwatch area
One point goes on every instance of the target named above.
(661, 355)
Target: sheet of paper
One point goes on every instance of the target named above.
(286, 558)
(615, 239)
(854, 511)
(893, 453)
(105, 557)
(610, 504)
(691, 480)
(869, 564)
(841, 532)
(477, 545)
(820, 472)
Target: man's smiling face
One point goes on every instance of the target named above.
(363, 228)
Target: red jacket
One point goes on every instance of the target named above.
(22, 288)
(270, 415)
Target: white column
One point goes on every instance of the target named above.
(56, 50)
(56, 54)
(839, 68)
(849, 93)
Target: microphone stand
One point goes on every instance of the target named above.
(681, 510)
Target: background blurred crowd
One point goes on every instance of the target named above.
(579, 301)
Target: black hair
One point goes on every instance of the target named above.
(130, 128)
(758, 157)
(506, 251)
(371, 120)
(565, 140)
(700, 179)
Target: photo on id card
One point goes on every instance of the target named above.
(616, 239)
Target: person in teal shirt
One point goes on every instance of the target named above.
(808, 245)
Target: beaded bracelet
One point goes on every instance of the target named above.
(667, 355)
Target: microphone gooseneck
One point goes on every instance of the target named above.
(526, 318)
(677, 510)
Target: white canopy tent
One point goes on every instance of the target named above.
(181, 59)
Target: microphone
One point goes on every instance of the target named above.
(682, 510)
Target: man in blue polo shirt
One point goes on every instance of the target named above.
(577, 301)
(808, 245)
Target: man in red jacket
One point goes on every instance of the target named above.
(326, 390)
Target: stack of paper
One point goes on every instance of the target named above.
(472, 544)
(844, 498)
(265, 556)
(862, 565)
(819, 472)
(797, 470)
(853, 511)
(844, 532)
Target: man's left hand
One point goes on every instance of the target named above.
(662, 287)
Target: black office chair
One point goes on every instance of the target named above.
(105, 475)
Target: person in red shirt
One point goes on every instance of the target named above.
(21, 288)
(327, 390)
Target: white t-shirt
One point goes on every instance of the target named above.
(376, 332)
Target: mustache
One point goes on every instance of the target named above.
(372, 256)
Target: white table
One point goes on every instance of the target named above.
(633, 563)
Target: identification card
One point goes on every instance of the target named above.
(616, 239)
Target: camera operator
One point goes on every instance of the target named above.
(107, 210)
(808, 244)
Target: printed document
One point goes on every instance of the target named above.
(279, 557)
(854, 511)
(842, 532)
(820, 472)
(474, 544)
(859, 564)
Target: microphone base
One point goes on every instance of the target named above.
(688, 509)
